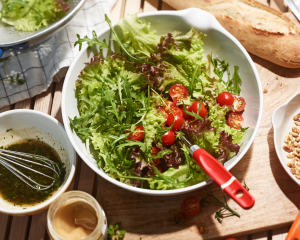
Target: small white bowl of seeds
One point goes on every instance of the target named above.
(286, 124)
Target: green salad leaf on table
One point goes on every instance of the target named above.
(135, 103)
(31, 15)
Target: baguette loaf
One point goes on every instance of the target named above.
(263, 31)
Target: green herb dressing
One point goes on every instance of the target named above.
(15, 190)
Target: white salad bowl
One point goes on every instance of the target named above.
(218, 41)
(283, 122)
(16, 125)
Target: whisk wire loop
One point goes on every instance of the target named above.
(7, 158)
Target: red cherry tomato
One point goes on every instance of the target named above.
(138, 135)
(190, 205)
(168, 138)
(169, 104)
(178, 92)
(194, 108)
(185, 116)
(235, 120)
(154, 152)
(225, 98)
(179, 120)
(239, 103)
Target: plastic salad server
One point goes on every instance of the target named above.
(216, 171)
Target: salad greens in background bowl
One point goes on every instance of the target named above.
(120, 118)
(30, 22)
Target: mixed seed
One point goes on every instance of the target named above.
(292, 147)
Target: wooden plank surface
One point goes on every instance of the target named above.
(150, 217)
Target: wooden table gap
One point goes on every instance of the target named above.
(75, 182)
(56, 105)
(25, 104)
(87, 176)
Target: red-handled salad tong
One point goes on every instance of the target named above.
(216, 171)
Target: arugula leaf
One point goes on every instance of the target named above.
(220, 67)
(133, 143)
(192, 84)
(234, 83)
(165, 177)
(195, 115)
(91, 42)
(162, 153)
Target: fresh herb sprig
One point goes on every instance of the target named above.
(114, 232)
(224, 212)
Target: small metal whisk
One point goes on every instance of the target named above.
(7, 158)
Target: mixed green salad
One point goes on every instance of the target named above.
(136, 102)
(31, 15)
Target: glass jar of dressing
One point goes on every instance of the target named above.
(76, 215)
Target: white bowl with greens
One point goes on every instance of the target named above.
(114, 95)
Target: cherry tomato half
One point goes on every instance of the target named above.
(235, 120)
(185, 116)
(178, 92)
(138, 135)
(169, 104)
(168, 138)
(225, 98)
(154, 152)
(179, 120)
(239, 103)
(194, 108)
(190, 205)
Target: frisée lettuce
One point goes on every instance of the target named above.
(129, 88)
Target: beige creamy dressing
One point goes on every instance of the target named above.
(75, 220)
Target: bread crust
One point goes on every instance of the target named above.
(263, 31)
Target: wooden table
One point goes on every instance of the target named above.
(150, 217)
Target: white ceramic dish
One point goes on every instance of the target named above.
(283, 122)
(218, 40)
(30, 124)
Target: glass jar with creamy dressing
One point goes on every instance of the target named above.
(76, 215)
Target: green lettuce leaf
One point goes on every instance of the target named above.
(138, 36)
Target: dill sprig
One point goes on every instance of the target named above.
(224, 212)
